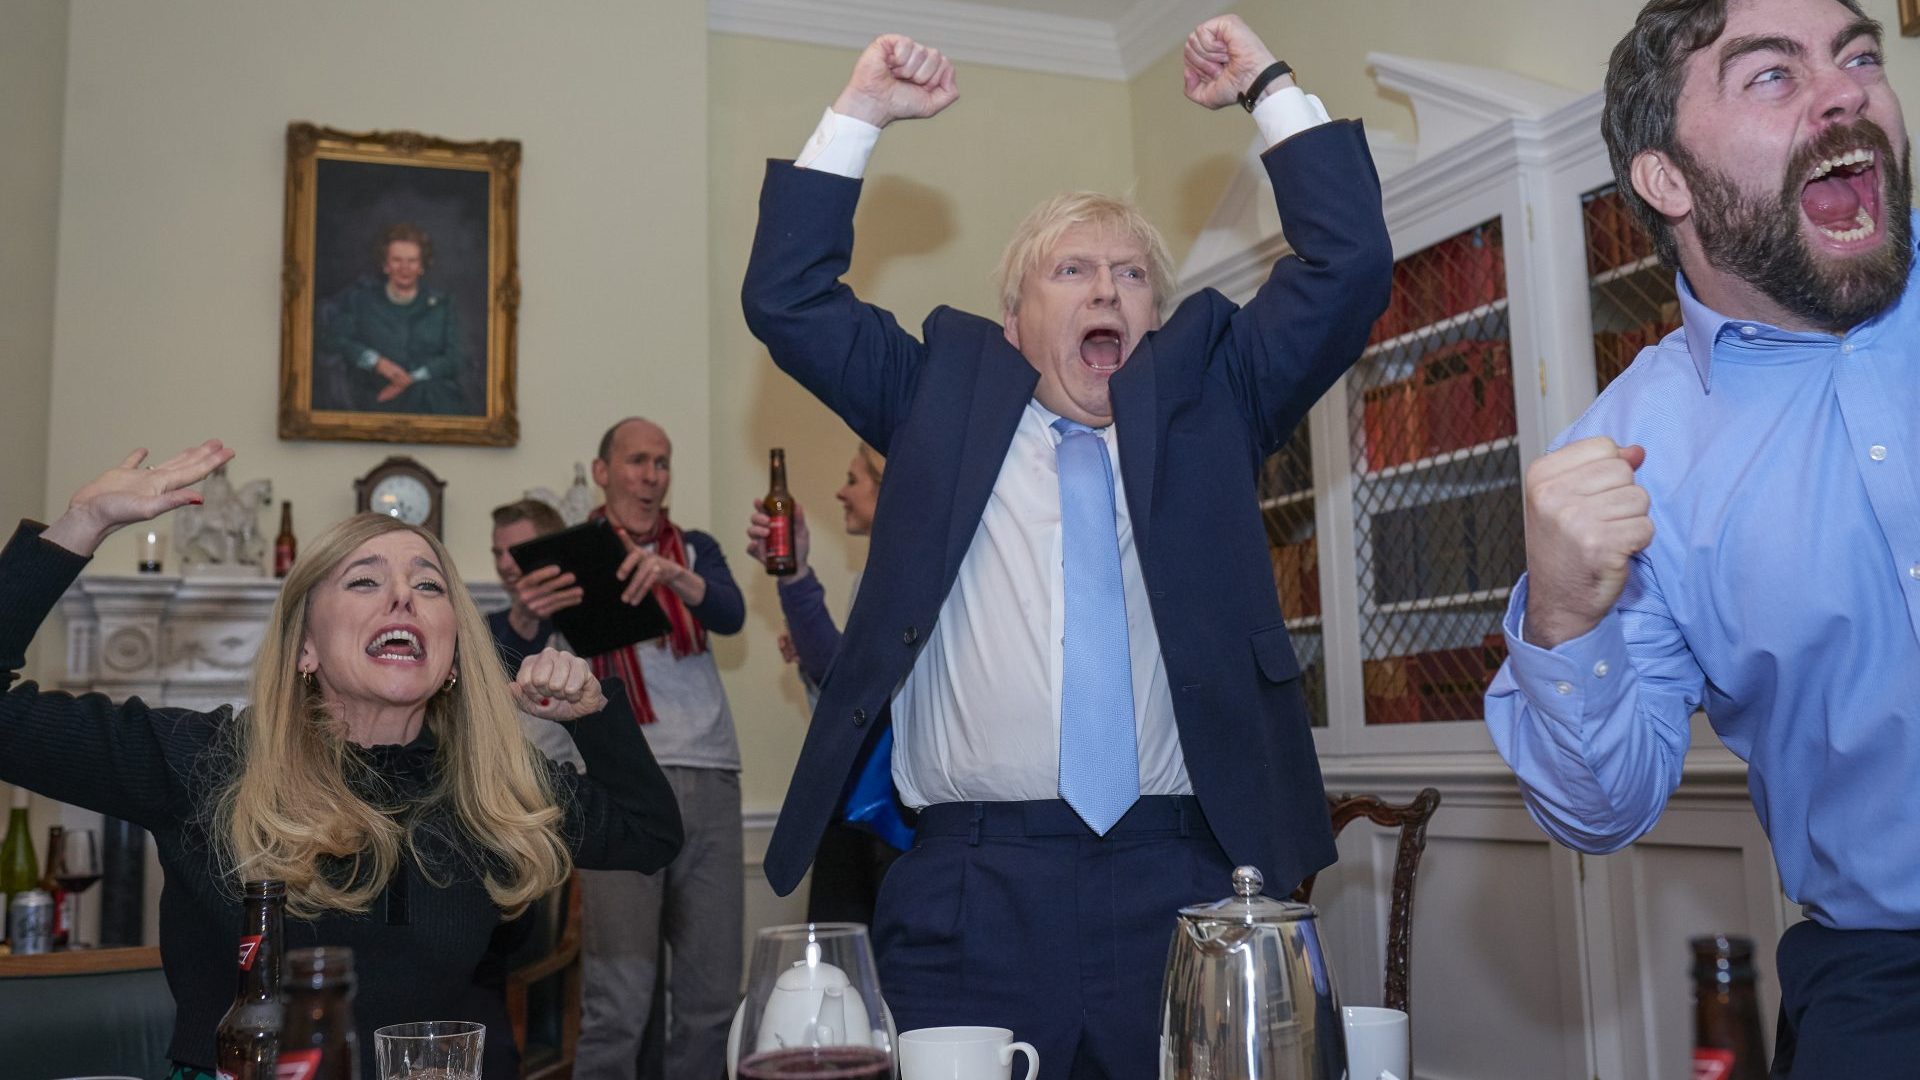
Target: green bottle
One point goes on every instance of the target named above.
(19, 870)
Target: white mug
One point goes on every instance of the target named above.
(963, 1053)
(1376, 1043)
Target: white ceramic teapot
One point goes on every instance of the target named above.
(811, 1005)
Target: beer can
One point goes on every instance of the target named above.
(30, 922)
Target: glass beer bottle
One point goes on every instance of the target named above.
(316, 1039)
(779, 507)
(248, 1038)
(56, 836)
(284, 545)
(1726, 1012)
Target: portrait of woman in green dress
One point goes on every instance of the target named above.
(391, 343)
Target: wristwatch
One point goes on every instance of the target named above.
(1265, 79)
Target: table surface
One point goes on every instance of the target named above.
(81, 961)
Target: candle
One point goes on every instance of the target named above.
(153, 550)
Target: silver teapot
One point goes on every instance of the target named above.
(1248, 993)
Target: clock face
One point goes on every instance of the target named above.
(402, 496)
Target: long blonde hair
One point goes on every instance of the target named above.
(289, 806)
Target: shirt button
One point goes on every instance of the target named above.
(909, 635)
(1914, 571)
(1877, 452)
(1847, 348)
(1563, 687)
(859, 717)
(1748, 331)
(1600, 669)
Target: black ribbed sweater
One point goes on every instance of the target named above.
(416, 951)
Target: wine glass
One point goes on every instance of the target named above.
(76, 866)
(813, 1006)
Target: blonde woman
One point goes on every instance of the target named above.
(380, 770)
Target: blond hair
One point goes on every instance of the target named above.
(289, 809)
(875, 461)
(1043, 226)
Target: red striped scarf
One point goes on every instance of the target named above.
(687, 638)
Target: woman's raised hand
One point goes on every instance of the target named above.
(128, 493)
(555, 685)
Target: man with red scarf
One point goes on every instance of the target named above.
(695, 904)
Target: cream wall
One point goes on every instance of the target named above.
(1183, 165)
(166, 326)
(33, 65)
(940, 201)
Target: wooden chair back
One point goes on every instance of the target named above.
(1411, 819)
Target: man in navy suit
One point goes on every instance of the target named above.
(1068, 615)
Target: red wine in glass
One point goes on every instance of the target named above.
(819, 1063)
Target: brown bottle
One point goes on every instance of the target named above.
(1726, 1012)
(779, 507)
(283, 544)
(248, 1038)
(49, 881)
(317, 1040)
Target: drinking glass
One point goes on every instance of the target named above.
(434, 1050)
(813, 1006)
(76, 866)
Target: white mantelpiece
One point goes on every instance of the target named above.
(185, 642)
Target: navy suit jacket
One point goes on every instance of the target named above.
(1197, 407)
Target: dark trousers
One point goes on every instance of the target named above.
(847, 871)
(1849, 1004)
(1016, 915)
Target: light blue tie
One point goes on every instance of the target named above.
(1099, 755)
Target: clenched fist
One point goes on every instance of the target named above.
(1586, 519)
(1223, 58)
(896, 78)
(555, 685)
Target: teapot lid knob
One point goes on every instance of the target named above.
(1247, 881)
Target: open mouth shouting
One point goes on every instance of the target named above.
(1102, 350)
(397, 645)
(1841, 197)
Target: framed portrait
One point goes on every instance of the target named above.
(400, 288)
(1910, 18)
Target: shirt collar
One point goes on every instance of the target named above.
(1703, 325)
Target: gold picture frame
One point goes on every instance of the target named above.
(1910, 18)
(400, 289)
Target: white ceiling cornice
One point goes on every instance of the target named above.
(979, 33)
(1149, 29)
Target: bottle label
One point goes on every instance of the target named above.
(779, 537)
(249, 948)
(297, 1064)
(1709, 1063)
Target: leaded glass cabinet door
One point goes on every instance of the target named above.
(1435, 481)
(1287, 507)
(1633, 298)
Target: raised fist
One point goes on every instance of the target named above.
(1223, 58)
(1586, 519)
(897, 78)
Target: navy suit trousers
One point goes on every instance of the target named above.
(1849, 1003)
(1016, 915)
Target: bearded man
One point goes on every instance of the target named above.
(1774, 439)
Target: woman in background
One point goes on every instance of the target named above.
(870, 832)
(380, 770)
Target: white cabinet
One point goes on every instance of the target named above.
(1522, 284)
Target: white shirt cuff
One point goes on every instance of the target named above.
(840, 145)
(1287, 112)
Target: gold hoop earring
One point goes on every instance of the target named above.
(452, 678)
(311, 683)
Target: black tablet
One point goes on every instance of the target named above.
(601, 622)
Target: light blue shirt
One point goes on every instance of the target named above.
(1781, 593)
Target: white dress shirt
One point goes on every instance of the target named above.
(977, 719)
